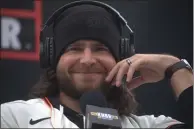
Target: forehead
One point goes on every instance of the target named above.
(87, 43)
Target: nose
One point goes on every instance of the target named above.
(87, 58)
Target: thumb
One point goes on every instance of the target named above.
(136, 82)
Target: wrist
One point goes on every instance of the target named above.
(180, 74)
(181, 80)
(177, 66)
(169, 60)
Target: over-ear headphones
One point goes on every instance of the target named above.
(47, 45)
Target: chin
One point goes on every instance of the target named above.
(89, 85)
(84, 86)
(87, 81)
(91, 79)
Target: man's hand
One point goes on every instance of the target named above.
(151, 67)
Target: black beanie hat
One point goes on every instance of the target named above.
(87, 22)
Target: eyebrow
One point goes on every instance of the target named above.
(83, 43)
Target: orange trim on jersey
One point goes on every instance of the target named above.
(45, 102)
(174, 123)
(45, 99)
(48, 102)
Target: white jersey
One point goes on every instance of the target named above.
(36, 113)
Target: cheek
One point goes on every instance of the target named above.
(108, 62)
(66, 62)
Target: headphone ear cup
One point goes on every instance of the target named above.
(51, 50)
(44, 53)
(126, 48)
(132, 44)
(132, 49)
(122, 49)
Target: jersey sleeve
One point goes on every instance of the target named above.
(7, 117)
(150, 121)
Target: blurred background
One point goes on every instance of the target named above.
(160, 26)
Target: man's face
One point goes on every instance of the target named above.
(83, 67)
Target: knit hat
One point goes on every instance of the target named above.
(87, 22)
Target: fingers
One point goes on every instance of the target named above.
(128, 69)
(121, 72)
(122, 68)
(117, 73)
(132, 68)
(112, 73)
(136, 82)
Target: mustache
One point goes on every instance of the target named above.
(87, 70)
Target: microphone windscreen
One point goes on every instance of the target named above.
(95, 98)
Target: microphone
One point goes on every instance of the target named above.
(97, 114)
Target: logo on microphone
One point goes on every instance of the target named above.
(104, 116)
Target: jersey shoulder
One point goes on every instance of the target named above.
(21, 105)
(15, 113)
(148, 121)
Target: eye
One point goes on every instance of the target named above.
(102, 49)
(74, 48)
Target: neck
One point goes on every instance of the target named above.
(70, 102)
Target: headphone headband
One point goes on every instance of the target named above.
(58, 12)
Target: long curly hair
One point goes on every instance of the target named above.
(120, 98)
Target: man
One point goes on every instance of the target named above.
(87, 36)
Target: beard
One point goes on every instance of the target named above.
(68, 87)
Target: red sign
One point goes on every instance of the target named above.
(13, 50)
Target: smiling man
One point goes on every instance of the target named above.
(84, 73)
(86, 41)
